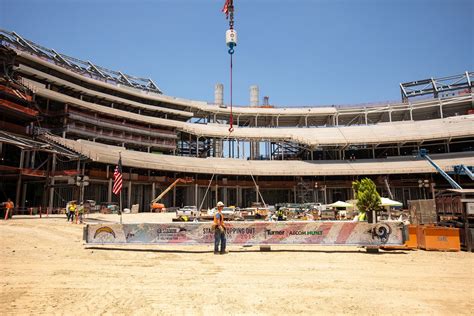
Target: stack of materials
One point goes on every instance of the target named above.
(422, 212)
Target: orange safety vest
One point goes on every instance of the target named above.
(9, 205)
(219, 221)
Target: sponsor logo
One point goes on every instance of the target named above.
(171, 230)
(104, 229)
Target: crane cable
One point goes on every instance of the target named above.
(231, 41)
(231, 117)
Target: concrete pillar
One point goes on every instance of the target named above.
(217, 192)
(109, 191)
(33, 156)
(224, 189)
(239, 196)
(23, 194)
(196, 195)
(52, 182)
(129, 194)
(197, 146)
(174, 196)
(18, 184)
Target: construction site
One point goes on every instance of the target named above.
(144, 178)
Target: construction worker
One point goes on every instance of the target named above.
(219, 230)
(71, 211)
(362, 216)
(80, 212)
(8, 209)
(281, 215)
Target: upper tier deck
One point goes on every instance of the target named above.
(95, 81)
(403, 131)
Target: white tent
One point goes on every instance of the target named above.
(388, 202)
(340, 204)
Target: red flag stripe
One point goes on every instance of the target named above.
(117, 181)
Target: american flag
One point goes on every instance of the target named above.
(118, 178)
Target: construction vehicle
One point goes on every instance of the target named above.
(458, 169)
(158, 207)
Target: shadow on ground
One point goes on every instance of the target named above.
(240, 251)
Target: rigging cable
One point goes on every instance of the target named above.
(231, 41)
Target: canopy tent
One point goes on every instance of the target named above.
(340, 204)
(388, 202)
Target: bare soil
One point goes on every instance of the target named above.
(46, 269)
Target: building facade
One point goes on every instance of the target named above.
(62, 117)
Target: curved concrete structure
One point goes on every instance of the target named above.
(224, 166)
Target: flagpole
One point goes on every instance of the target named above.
(120, 201)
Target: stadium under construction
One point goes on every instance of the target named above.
(64, 119)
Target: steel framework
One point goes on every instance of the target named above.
(77, 65)
(436, 86)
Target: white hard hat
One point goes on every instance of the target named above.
(220, 204)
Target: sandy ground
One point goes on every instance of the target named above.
(46, 269)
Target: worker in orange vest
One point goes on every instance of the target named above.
(219, 230)
(8, 209)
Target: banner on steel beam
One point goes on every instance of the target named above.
(250, 233)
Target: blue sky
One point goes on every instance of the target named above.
(300, 52)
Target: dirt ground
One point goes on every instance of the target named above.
(46, 269)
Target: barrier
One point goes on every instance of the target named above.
(251, 233)
(438, 238)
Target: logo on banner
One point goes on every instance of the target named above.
(382, 232)
(104, 229)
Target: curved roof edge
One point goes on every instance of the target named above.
(215, 109)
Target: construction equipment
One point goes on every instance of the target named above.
(464, 170)
(155, 206)
(423, 153)
(385, 180)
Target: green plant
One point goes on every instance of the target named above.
(368, 199)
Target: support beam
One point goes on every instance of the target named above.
(196, 195)
(18, 184)
(129, 194)
(52, 182)
(23, 194)
(109, 191)
(174, 196)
